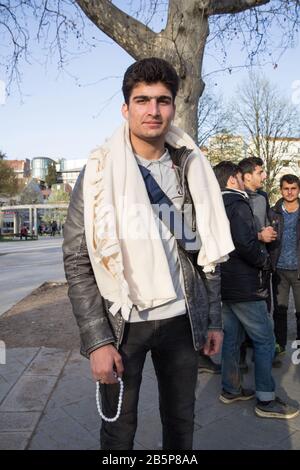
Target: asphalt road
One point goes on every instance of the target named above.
(25, 265)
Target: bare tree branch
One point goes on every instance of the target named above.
(220, 7)
(133, 36)
(213, 116)
(269, 121)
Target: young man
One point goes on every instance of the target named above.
(244, 307)
(285, 257)
(132, 283)
(254, 176)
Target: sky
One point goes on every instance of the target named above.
(65, 114)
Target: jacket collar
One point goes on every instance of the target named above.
(235, 191)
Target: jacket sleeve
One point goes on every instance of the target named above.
(244, 236)
(212, 283)
(275, 246)
(87, 302)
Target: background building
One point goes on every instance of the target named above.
(68, 170)
(21, 167)
(39, 167)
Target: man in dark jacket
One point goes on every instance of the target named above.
(254, 175)
(244, 292)
(132, 296)
(285, 257)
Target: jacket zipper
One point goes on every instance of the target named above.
(186, 301)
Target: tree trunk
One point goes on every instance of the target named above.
(185, 51)
(182, 43)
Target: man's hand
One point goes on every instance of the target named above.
(106, 364)
(213, 343)
(267, 235)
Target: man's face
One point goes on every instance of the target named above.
(290, 191)
(150, 112)
(256, 179)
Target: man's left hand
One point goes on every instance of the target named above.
(213, 343)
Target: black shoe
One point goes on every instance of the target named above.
(244, 395)
(276, 409)
(277, 363)
(205, 364)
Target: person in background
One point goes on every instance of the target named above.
(244, 292)
(24, 232)
(254, 175)
(285, 257)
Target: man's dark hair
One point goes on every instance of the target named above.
(247, 165)
(224, 170)
(151, 70)
(290, 179)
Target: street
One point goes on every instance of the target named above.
(25, 265)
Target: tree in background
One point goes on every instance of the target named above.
(58, 195)
(214, 117)
(268, 120)
(51, 175)
(189, 26)
(226, 146)
(2, 155)
(60, 215)
(8, 180)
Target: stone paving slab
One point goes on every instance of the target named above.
(30, 375)
(67, 417)
(14, 440)
(292, 442)
(18, 421)
(242, 430)
(48, 362)
(63, 434)
(17, 361)
(29, 394)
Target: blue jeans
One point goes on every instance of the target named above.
(254, 318)
(176, 365)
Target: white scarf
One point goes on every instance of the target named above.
(132, 269)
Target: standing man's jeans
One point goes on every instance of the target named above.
(283, 281)
(254, 318)
(176, 365)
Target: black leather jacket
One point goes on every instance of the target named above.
(97, 326)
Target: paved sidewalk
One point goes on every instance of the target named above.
(47, 401)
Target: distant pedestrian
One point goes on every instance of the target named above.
(24, 232)
(53, 228)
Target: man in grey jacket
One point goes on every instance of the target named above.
(174, 331)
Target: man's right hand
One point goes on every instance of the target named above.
(106, 364)
(267, 235)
